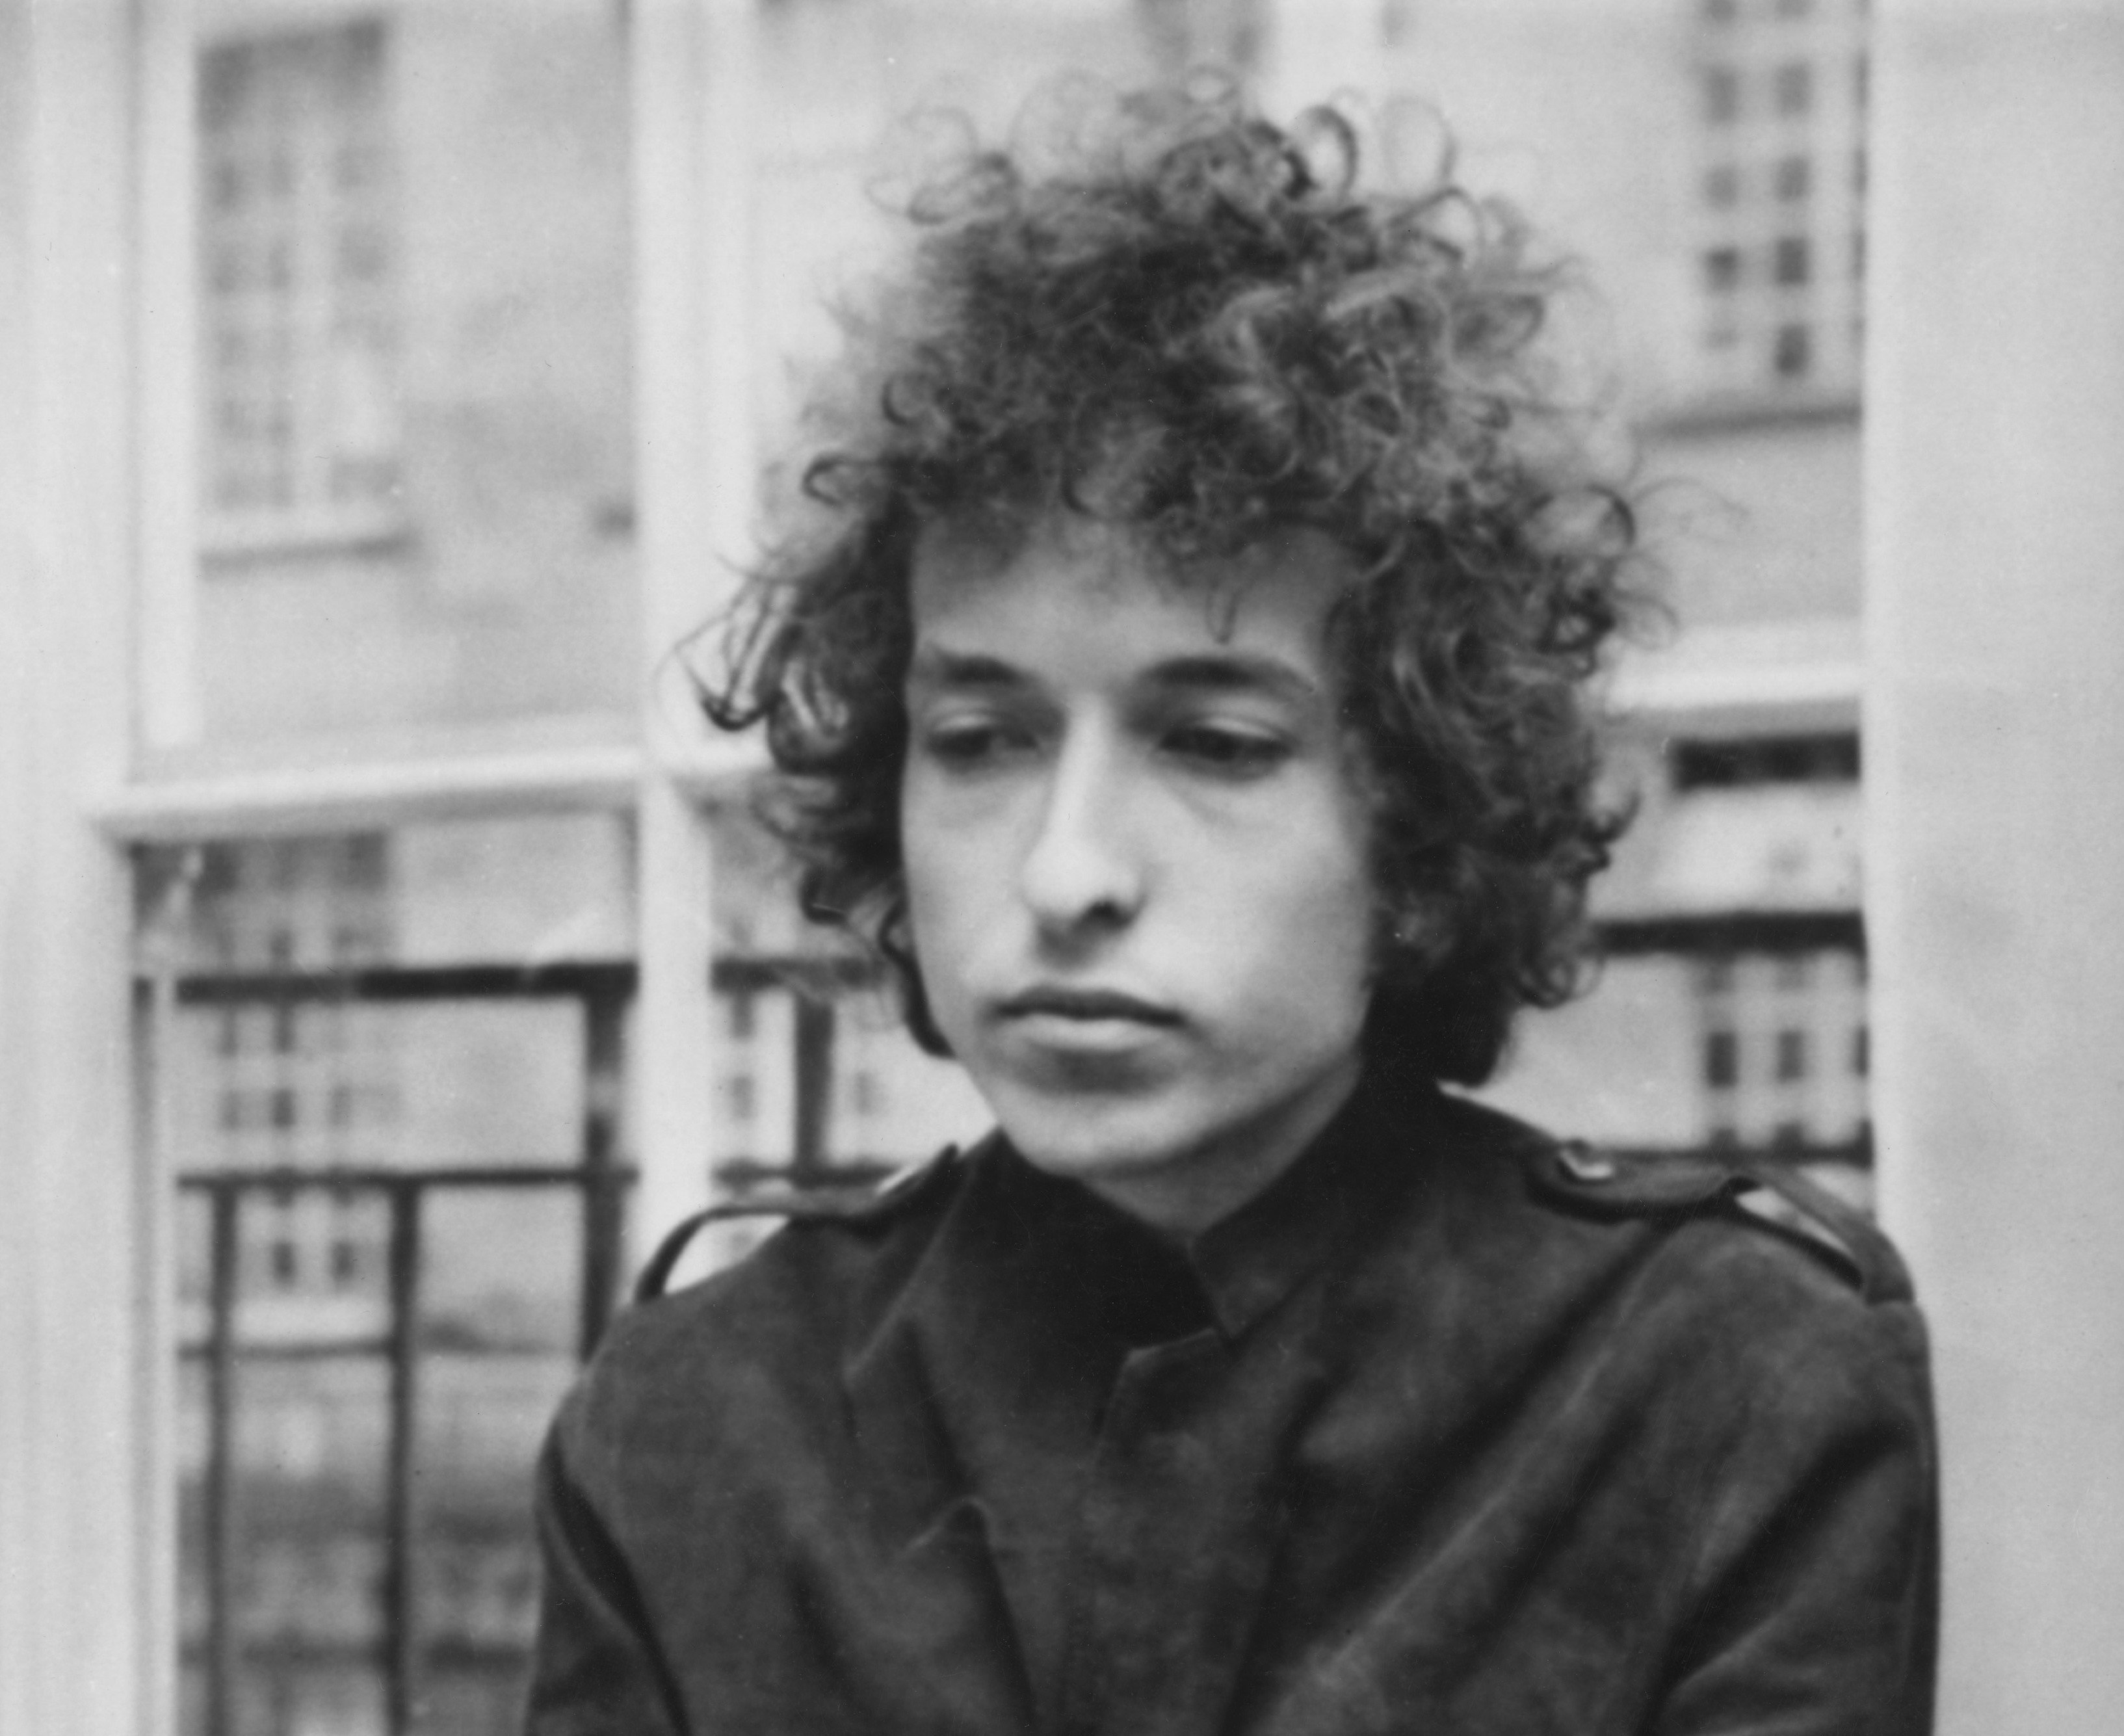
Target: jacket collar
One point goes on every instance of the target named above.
(1236, 1273)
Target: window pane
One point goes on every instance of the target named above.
(415, 475)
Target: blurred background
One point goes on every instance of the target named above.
(401, 959)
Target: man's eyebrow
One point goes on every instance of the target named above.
(1235, 672)
(935, 665)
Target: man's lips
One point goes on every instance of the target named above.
(1087, 1006)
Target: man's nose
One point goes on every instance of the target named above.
(1082, 870)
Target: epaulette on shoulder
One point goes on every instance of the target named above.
(1592, 1183)
(876, 1204)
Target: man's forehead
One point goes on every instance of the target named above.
(959, 556)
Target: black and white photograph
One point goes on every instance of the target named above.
(1061, 867)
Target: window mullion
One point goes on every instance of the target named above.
(692, 71)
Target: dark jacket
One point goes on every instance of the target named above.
(1452, 1430)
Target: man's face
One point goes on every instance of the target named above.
(1136, 859)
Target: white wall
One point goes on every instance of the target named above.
(80, 1492)
(1995, 742)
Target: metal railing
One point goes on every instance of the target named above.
(405, 1643)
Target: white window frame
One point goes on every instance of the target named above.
(100, 538)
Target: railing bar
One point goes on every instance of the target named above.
(814, 1068)
(495, 1655)
(605, 1089)
(308, 1350)
(401, 1611)
(218, 1495)
(1750, 931)
(581, 979)
(292, 1180)
(387, 983)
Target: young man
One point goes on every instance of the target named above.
(1183, 692)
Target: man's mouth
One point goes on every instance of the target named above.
(1085, 1006)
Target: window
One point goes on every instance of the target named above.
(1767, 1014)
(1827, 758)
(1721, 96)
(1721, 1060)
(299, 292)
(1792, 87)
(1778, 123)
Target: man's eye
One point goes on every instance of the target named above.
(1220, 748)
(970, 745)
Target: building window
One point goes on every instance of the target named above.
(298, 255)
(1721, 96)
(1793, 88)
(1721, 1060)
(1831, 757)
(1779, 121)
(1795, 352)
(1767, 1015)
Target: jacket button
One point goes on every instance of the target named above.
(1584, 1165)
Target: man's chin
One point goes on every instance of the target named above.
(1083, 1139)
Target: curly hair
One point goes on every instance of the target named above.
(1200, 328)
